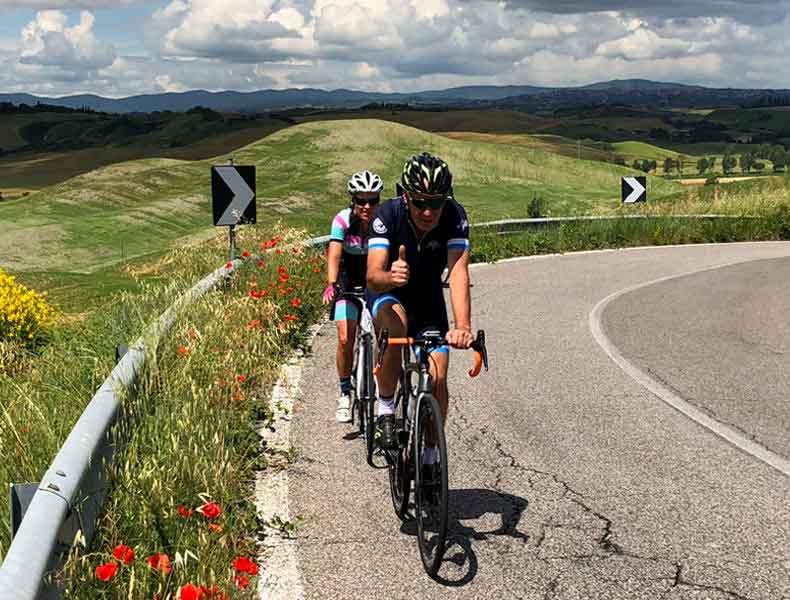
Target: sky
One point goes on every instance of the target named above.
(117, 48)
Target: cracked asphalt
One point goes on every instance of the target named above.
(568, 479)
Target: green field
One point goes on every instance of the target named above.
(643, 150)
(135, 208)
(50, 148)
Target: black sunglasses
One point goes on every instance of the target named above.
(434, 203)
(364, 201)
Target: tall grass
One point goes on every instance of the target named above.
(188, 436)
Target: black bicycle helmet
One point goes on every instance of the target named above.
(426, 174)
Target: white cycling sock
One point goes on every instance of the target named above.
(386, 406)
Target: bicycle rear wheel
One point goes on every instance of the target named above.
(430, 489)
(399, 467)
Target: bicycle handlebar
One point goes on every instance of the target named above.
(478, 345)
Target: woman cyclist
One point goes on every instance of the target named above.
(346, 267)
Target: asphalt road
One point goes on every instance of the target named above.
(568, 478)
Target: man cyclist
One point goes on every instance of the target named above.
(412, 239)
(346, 264)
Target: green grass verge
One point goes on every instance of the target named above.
(191, 439)
(624, 233)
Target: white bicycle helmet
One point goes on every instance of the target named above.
(365, 182)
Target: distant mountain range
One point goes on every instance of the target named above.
(633, 92)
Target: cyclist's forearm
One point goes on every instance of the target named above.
(332, 265)
(380, 281)
(461, 299)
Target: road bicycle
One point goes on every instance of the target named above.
(419, 426)
(363, 385)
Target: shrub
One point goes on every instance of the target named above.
(25, 314)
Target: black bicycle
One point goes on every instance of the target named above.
(420, 427)
(363, 385)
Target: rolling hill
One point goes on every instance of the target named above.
(139, 207)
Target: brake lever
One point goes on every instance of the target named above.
(479, 345)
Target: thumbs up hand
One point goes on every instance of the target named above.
(399, 271)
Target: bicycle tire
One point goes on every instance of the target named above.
(369, 400)
(400, 480)
(361, 392)
(353, 391)
(430, 497)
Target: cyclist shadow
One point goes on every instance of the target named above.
(491, 514)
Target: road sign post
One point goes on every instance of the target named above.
(233, 199)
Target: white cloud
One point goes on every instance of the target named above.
(48, 42)
(643, 44)
(403, 45)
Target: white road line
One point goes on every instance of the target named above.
(668, 396)
(280, 578)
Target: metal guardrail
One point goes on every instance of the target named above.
(69, 496)
(507, 226)
(71, 493)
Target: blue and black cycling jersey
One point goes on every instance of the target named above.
(423, 296)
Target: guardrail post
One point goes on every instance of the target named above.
(21, 497)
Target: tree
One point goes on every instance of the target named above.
(669, 164)
(758, 166)
(728, 163)
(702, 165)
(747, 160)
(780, 160)
(637, 164)
(712, 163)
(679, 165)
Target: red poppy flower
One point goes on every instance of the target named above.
(284, 277)
(238, 397)
(183, 350)
(123, 553)
(242, 581)
(242, 378)
(278, 251)
(296, 302)
(245, 565)
(210, 510)
(214, 528)
(291, 318)
(253, 324)
(192, 334)
(290, 290)
(297, 250)
(282, 291)
(246, 254)
(254, 294)
(317, 270)
(281, 270)
(229, 265)
(213, 592)
(106, 571)
(261, 264)
(263, 293)
(159, 562)
(184, 511)
(191, 592)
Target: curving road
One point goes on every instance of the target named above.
(569, 479)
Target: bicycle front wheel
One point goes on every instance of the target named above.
(430, 490)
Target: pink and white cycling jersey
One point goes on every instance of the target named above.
(349, 231)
